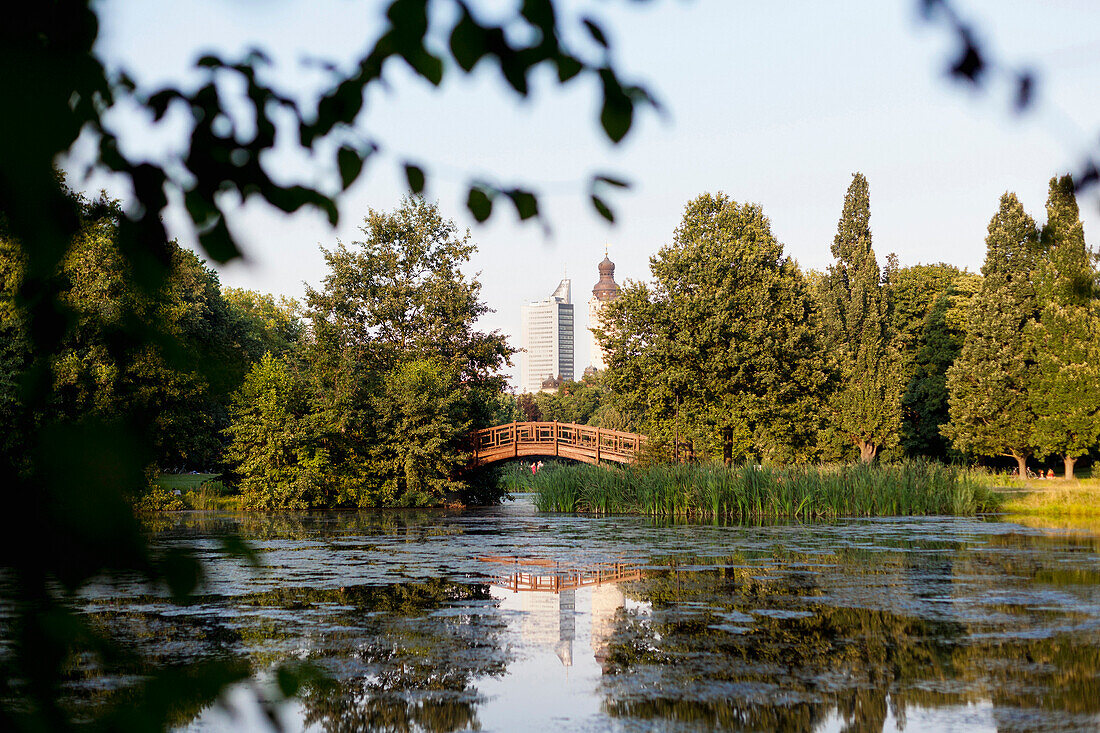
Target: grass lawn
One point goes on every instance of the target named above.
(1055, 498)
(185, 481)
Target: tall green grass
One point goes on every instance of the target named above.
(763, 492)
(212, 496)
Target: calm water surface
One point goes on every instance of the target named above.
(506, 619)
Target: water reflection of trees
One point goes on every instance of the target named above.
(398, 657)
(319, 526)
(406, 669)
(755, 647)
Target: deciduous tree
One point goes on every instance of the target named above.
(394, 376)
(722, 348)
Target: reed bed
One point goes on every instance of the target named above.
(764, 492)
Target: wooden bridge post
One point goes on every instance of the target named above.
(556, 449)
(597, 445)
(515, 440)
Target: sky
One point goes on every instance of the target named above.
(776, 103)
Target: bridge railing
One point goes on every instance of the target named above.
(595, 442)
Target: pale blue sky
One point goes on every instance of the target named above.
(772, 102)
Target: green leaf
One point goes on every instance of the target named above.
(514, 68)
(467, 42)
(351, 165)
(288, 681)
(617, 113)
(540, 13)
(527, 205)
(415, 177)
(479, 203)
(603, 209)
(427, 65)
(181, 571)
(568, 67)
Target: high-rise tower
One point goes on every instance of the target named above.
(548, 339)
(604, 291)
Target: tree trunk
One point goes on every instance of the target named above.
(867, 451)
(727, 446)
(1069, 461)
(1021, 465)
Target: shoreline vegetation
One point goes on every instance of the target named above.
(763, 492)
(705, 491)
(711, 490)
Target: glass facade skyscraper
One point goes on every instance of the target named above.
(547, 339)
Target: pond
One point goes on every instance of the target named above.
(506, 619)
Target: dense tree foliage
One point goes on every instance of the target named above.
(925, 402)
(1065, 394)
(268, 325)
(274, 445)
(913, 292)
(376, 407)
(932, 360)
(721, 350)
(867, 407)
(989, 383)
(178, 384)
(586, 402)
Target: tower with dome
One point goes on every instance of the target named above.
(603, 292)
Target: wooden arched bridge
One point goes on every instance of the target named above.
(546, 439)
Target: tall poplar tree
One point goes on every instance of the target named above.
(1066, 393)
(988, 384)
(867, 408)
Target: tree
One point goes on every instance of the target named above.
(925, 402)
(989, 383)
(1064, 395)
(867, 407)
(528, 408)
(574, 402)
(506, 409)
(177, 385)
(922, 341)
(274, 445)
(264, 324)
(392, 381)
(913, 293)
(423, 425)
(400, 294)
(721, 350)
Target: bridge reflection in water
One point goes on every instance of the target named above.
(548, 599)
